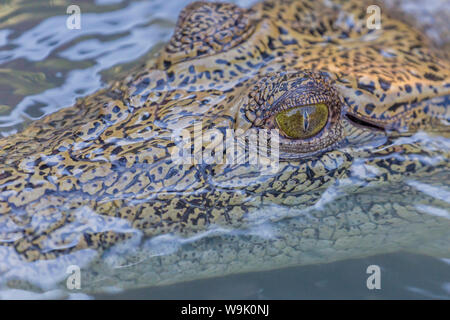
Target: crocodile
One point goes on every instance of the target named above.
(131, 184)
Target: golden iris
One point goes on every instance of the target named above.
(303, 121)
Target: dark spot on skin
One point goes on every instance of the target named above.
(344, 35)
(408, 88)
(240, 69)
(282, 30)
(384, 84)
(218, 72)
(270, 43)
(432, 77)
(172, 172)
(433, 68)
(5, 175)
(395, 106)
(184, 82)
(160, 84)
(369, 108)
(222, 61)
(142, 85)
(117, 150)
(167, 64)
(266, 56)
(419, 87)
(171, 76)
(254, 66)
(410, 167)
(310, 173)
(370, 87)
(289, 42)
(91, 130)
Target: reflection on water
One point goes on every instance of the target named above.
(68, 63)
(45, 66)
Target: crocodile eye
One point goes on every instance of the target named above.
(302, 122)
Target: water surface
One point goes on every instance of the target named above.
(45, 67)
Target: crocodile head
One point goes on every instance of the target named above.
(351, 124)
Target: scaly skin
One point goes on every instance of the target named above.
(95, 185)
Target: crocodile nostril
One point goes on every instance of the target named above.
(206, 28)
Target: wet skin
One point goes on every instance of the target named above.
(362, 117)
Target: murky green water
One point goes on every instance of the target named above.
(45, 67)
